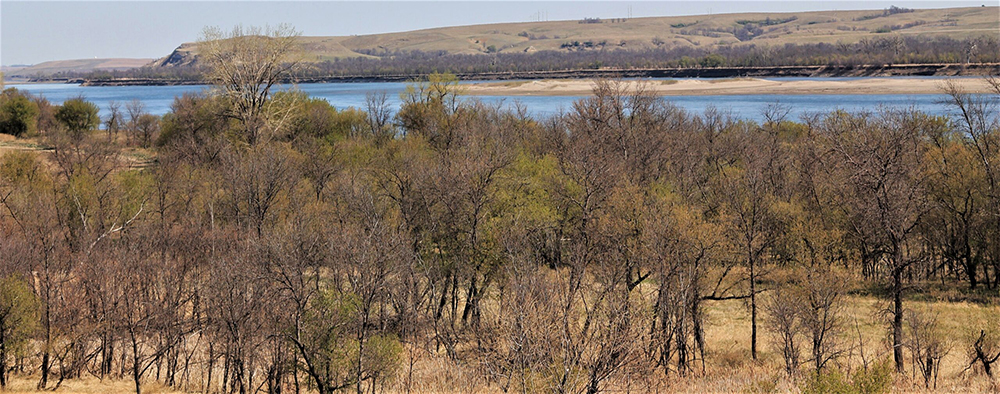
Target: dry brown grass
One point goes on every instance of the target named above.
(728, 365)
(86, 385)
(640, 33)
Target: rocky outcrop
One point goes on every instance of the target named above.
(184, 55)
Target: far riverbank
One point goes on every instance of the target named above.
(876, 70)
(735, 86)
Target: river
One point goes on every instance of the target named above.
(157, 99)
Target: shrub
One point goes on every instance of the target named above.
(18, 114)
(79, 116)
(18, 310)
(831, 381)
(147, 127)
(874, 380)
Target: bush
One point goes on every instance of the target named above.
(18, 313)
(194, 129)
(18, 114)
(147, 128)
(874, 380)
(831, 381)
(79, 116)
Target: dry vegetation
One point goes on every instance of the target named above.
(277, 244)
(76, 66)
(708, 31)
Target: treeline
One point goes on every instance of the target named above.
(305, 248)
(891, 49)
(882, 50)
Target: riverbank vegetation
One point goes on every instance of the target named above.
(282, 244)
(867, 57)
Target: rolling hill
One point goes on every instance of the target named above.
(700, 31)
(47, 69)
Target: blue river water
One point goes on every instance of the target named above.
(157, 99)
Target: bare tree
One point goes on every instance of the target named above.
(877, 160)
(379, 116)
(784, 322)
(927, 345)
(114, 120)
(245, 64)
(984, 349)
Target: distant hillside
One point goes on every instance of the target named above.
(701, 31)
(48, 69)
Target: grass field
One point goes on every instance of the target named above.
(79, 65)
(728, 365)
(704, 31)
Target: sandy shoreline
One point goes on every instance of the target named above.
(732, 86)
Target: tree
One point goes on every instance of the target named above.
(429, 107)
(379, 116)
(79, 116)
(18, 114)
(749, 196)
(245, 64)
(18, 315)
(113, 122)
(193, 130)
(877, 161)
(980, 127)
(147, 126)
(257, 177)
(984, 347)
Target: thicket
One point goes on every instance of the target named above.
(334, 250)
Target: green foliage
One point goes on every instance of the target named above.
(428, 107)
(713, 60)
(18, 114)
(315, 117)
(79, 116)
(18, 314)
(194, 128)
(874, 380)
(24, 169)
(331, 345)
(828, 382)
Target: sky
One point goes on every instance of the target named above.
(34, 31)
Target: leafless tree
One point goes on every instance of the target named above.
(379, 115)
(878, 159)
(114, 120)
(246, 63)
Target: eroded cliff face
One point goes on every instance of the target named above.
(184, 55)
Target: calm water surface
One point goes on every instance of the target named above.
(343, 95)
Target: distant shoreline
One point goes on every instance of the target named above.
(734, 86)
(881, 70)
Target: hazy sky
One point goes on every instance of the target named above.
(36, 31)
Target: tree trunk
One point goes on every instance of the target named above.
(136, 367)
(3, 361)
(897, 316)
(753, 310)
(44, 381)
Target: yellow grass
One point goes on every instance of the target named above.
(729, 368)
(643, 33)
(85, 385)
(78, 65)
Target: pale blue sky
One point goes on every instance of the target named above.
(36, 31)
